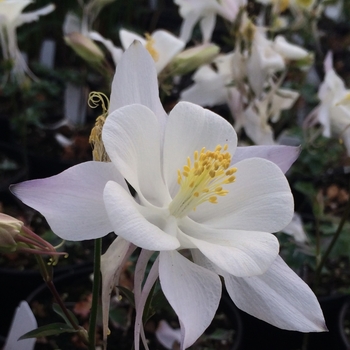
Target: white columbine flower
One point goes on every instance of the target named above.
(11, 17)
(195, 190)
(333, 113)
(205, 11)
(162, 45)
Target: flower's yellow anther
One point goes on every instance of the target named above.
(213, 200)
(202, 180)
(150, 47)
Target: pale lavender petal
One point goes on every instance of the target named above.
(283, 156)
(23, 322)
(193, 292)
(278, 297)
(72, 201)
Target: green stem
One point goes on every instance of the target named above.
(95, 293)
(331, 245)
(47, 276)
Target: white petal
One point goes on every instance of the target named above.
(131, 136)
(112, 263)
(259, 200)
(190, 128)
(240, 253)
(116, 52)
(288, 50)
(278, 297)
(209, 88)
(283, 156)
(135, 81)
(72, 201)
(187, 26)
(207, 25)
(34, 15)
(166, 335)
(127, 38)
(193, 292)
(23, 322)
(129, 223)
(11, 10)
(167, 46)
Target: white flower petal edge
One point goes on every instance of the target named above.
(137, 84)
(278, 297)
(130, 224)
(132, 138)
(240, 253)
(259, 200)
(193, 292)
(72, 201)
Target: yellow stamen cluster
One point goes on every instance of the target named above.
(202, 181)
(150, 47)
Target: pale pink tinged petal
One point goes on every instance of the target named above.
(131, 136)
(112, 263)
(129, 223)
(282, 156)
(207, 25)
(240, 253)
(127, 38)
(23, 322)
(72, 201)
(259, 200)
(151, 279)
(190, 128)
(167, 335)
(328, 61)
(135, 81)
(193, 292)
(278, 297)
(167, 46)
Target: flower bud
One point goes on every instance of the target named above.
(85, 48)
(190, 59)
(9, 229)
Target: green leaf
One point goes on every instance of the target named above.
(60, 312)
(50, 329)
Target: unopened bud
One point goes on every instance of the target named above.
(9, 229)
(190, 59)
(85, 48)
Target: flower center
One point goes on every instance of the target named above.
(150, 47)
(202, 181)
